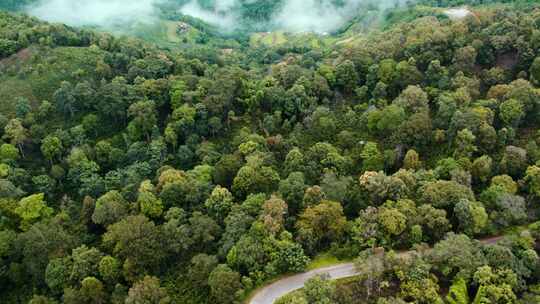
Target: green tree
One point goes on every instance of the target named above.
(224, 284)
(90, 124)
(412, 160)
(44, 184)
(109, 269)
(319, 290)
(57, 274)
(184, 118)
(219, 203)
(288, 256)
(136, 239)
(511, 112)
(379, 187)
(32, 209)
(225, 170)
(147, 291)
(176, 93)
(65, 99)
(51, 147)
(482, 168)
(144, 117)
(434, 222)
(273, 215)
(384, 122)
(200, 268)
(149, 204)
(458, 293)
(92, 291)
(495, 286)
(535, 71)
(422, 290)
(8, 47)
(514, 161)
(392, 221)
(110, 208)
(465, 58)
(41, 300)
(372, 268)
(532, 178)
(85, 263)
(445, 194)
(472, 217)
(294, 161)
(170, 135)
(16, 133)
(40, 242)
(9, 153)
(346, 76)
(292, 190)
(416, 130)
(457, 255)
(320, 225)
(335, 187)
(413, 99)
(372, 158)
(465, 147)
(254, 179)
(237, 224)
(249, 254)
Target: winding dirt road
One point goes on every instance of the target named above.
(274, 291)
(270, 293)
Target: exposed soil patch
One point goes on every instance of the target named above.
(21, 55)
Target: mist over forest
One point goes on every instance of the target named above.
(230, 151)
(292, 15)
(228, 15)
(95, 13)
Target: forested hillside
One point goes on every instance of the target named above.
(133, 173)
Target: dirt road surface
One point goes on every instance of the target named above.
(270, 293)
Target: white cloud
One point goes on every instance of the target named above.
(222, 16)
(95, 12)
(294, 15)
(314, 15)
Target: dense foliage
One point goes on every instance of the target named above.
(134, 174)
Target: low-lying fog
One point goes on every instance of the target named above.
(289, 15)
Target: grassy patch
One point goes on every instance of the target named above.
(38, 77)
(291, 295)
(157, 32)
(172, 34)
(324, 260)
(10, 89)
(268, 39)
(516, 229)
(405, 15)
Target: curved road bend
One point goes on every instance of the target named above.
(274, 291)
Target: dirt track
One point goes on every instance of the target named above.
(270, 293)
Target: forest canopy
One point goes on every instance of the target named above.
(198, 170)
